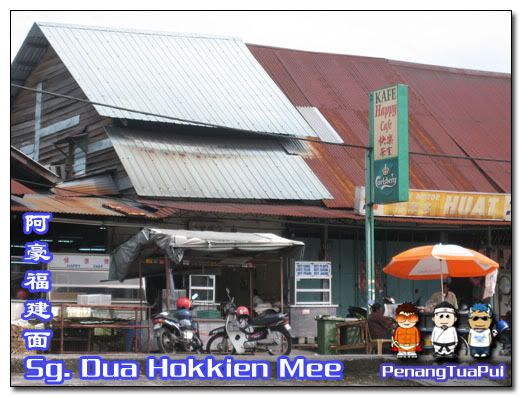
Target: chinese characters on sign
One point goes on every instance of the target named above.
(37, 281)
(385, 123)
(80, 262)
(444, 204)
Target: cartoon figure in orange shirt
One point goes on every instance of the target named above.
(406, 338)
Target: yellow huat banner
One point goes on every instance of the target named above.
(456, 205)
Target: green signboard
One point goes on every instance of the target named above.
(389, 144)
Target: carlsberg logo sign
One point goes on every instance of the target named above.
(386, 180)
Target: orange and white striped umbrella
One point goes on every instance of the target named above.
(431, 262)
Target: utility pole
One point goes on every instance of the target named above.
(369, 227)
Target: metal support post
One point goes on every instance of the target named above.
(370, 228)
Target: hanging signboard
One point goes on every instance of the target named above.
(79, 262)
(389, 140)
(443, 204)
(312, 269)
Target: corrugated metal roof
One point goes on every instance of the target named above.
(20, 160)
(201, 79)
(99, 185)
(31, 51)
(182, 166)
(273, 210)
(125, 209)
(321, 126)
(451, 111)
(20, 189)
(77, 205)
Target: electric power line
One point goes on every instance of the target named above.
(264, 134)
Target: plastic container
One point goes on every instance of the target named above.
(94, 299)
(327, 333)
(143, 337)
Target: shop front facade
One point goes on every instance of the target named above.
(287, 159)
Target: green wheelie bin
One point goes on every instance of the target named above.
(326, 333)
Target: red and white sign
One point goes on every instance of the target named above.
(80, 262)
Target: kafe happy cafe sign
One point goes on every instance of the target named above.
(389, 143)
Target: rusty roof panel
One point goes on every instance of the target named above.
(274, 210)
(20, 189)
(68, 205)
(332, 164)
(452, 111)
(78, 206)
(301, 211)
(124, 209)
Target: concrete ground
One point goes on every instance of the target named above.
(359, 370)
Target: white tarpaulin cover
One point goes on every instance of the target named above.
(125, 259)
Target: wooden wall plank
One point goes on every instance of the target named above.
(56, 78)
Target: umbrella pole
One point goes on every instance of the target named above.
(441, 282)
(282, 294)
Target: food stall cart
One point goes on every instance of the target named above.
(204, 262)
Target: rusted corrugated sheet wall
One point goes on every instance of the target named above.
(455, 112)
(163, 164)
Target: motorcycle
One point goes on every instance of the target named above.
(503, 336)
(175, 330)
(268, 332)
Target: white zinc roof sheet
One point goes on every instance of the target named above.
(164, 164)
(195, 78)
(318, 122)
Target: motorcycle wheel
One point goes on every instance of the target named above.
(166, 341)
(197, 345)
(285, 342)
(220, 344)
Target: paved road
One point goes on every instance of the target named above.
(18, 380)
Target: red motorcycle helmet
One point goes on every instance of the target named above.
(183, 303)
(242, 311)
(21, 294)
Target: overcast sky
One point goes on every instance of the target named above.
(472, 40)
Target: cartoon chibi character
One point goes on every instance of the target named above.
(480, 317)
(406, 338)
(444, 335)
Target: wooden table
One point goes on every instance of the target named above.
(379, 344)
(364, 335)
(136, 326)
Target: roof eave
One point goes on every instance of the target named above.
(34, 166)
